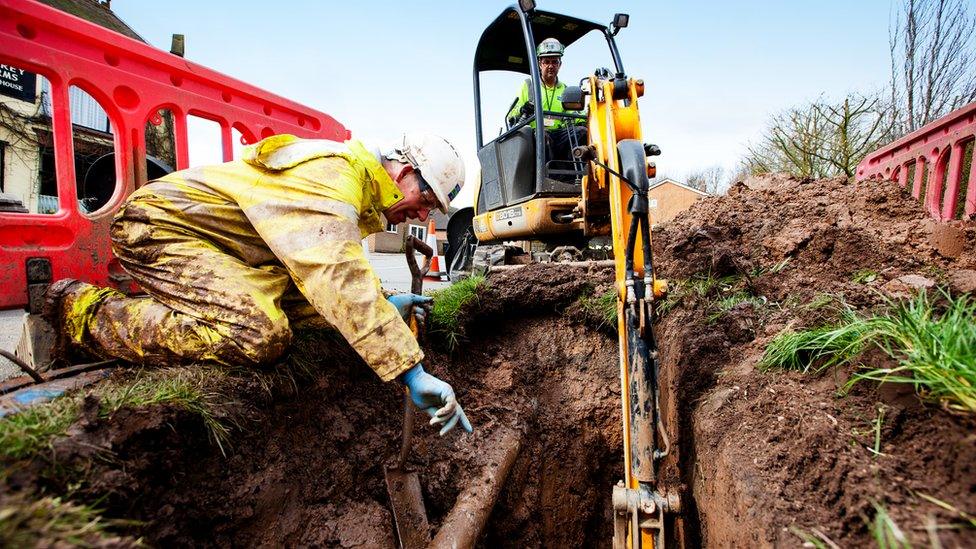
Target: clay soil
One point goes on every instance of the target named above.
(758, 455)
(762, 454)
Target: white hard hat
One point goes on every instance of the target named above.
(436, 159)
(550, 47)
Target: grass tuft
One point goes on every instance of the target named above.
(817, 348)
(32, 430)
(936, 351)
(864, 276)
(729, 302)
(602, 308)
(53, 522)
(699, 286)
(935, 347)
(884, 530)
(178, 387)
(814, 538)
(448, 304)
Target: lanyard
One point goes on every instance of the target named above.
(550, 95)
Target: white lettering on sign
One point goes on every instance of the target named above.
(11, 73)
(510, 214)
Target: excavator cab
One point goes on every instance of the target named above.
(525, 193)
(514, 165)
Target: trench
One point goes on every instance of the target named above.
(308, 469)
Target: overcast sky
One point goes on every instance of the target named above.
(714, 71)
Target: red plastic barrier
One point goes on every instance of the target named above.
(132, 81)
(937, 153)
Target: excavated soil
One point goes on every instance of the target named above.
(762, 454)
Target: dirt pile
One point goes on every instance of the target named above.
(305, 465)
(768, 455)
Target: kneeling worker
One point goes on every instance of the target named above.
(233, 255)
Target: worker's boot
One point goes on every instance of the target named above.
(58, 304)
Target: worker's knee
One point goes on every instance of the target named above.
(262, 342)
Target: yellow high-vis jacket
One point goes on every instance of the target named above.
(290, 207)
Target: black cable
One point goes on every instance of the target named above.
(23, 366)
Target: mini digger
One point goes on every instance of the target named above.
(598, 195)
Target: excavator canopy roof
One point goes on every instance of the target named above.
(502, 45)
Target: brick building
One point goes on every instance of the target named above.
(669, 198)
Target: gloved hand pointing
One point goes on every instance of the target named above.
(407, 302)
(436, 398)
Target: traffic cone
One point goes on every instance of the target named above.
(434, 274)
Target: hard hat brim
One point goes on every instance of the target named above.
(442, 200)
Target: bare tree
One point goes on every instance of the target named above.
(709, 180)
(786, 143)
(821, 139)
(933, 61)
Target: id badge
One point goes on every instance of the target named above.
(549, 121)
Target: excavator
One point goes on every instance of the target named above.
(599, 195)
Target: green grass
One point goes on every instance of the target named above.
(30, 431)
(813, 538)
(177, 387)
(816, 348)
(935, 349)
(934, 346)
(700, 286)
(969, 521)
(53, 522)
(602, 308)
(448, 303)
(864, 276)
(728, 302)
(886, 534)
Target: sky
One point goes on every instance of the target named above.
(714, 71)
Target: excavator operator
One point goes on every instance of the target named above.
(560, 132)
(233, 256)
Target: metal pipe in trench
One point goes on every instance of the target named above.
(463, 525)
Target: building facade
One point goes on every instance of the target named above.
(28, 180)
(392, 240)
(668, 198)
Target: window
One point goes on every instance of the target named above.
(419, 232)
(391, 228)
(654, 203)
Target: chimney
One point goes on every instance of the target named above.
(178, 45)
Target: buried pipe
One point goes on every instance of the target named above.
(462, 526)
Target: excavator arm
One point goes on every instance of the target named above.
(618, 164)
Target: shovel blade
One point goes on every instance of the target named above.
(409, 514)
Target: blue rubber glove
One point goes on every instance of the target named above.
(405, 302)
(436, 398)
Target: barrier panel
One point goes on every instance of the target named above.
(83, 72)
(936, 161)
